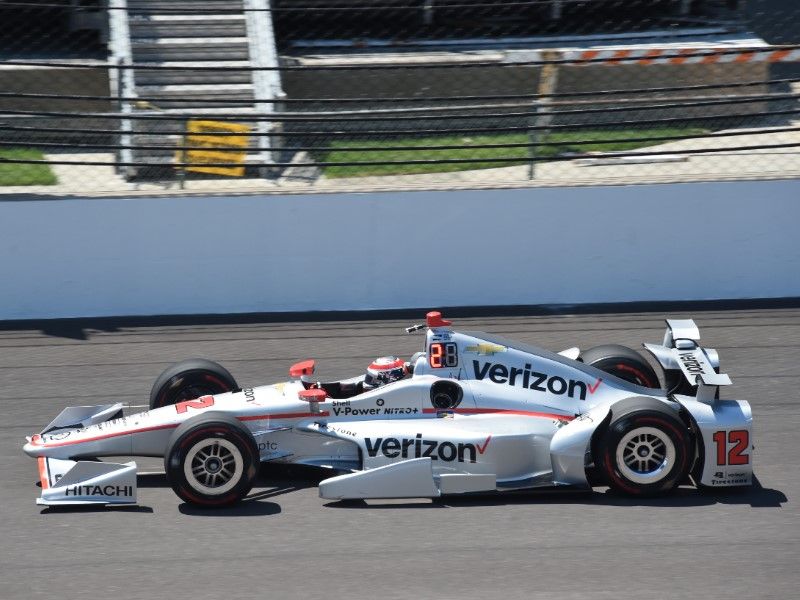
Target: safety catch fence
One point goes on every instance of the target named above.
(286, 95)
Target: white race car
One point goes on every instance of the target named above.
(472, 413)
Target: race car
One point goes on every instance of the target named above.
(470, 413)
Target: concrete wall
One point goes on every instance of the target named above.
(421, 83)
(182, 255)
(67, 81)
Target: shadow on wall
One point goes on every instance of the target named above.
(82, 328)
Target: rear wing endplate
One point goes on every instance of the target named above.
(681, 350)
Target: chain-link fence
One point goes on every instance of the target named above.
(292, 95)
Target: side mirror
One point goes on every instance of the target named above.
(313, 396)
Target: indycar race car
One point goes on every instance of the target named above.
(471, 413)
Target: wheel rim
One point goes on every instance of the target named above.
(213, 466)
(645, 455)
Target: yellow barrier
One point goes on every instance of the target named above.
(220, 148)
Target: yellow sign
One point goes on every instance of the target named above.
(483, 348)
(215, 148)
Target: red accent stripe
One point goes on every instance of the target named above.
(779, 55)
(43, 473)
(387, 366)
(37, 442)
(298, 415)
(501, 411)
(618, 56)
(684, 56)
(650, 56)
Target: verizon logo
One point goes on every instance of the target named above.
(533, 380)
(417, 447)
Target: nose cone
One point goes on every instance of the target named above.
(33, 447)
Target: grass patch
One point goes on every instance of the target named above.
(613, 141)
(22, 174)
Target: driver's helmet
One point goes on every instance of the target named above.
(383, 370)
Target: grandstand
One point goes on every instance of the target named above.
(304, 77)
(80, 27)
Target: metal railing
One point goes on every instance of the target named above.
(356, 93)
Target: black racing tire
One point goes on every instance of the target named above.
(646, 450)
(211, 460)
(190, 379)
(623, 362)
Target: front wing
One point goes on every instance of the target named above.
(69, 482)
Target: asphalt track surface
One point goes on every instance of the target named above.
(286, 542)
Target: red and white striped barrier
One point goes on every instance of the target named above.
(682, 56)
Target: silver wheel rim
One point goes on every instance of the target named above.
(645, 455)
(213, 466)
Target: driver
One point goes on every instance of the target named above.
(383, 370)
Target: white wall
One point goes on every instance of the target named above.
(182, 255)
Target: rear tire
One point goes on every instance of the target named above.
(211, 460)
(645, 451)
(623, 362)
(190, 379)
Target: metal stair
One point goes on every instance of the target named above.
(199, 33)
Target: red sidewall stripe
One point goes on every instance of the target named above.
(642, 377)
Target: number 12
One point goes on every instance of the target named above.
(741, 440)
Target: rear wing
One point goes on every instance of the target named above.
(681, 351)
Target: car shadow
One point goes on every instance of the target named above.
(281, 480)
(249, 507)
(757, 496)
(96, 508)
(253, 505)
(286, 479)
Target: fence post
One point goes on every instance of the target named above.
(120, 41)
(266, 83)
(548, 80)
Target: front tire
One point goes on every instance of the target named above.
(211, 460)
(646, 452)
(190, 379)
